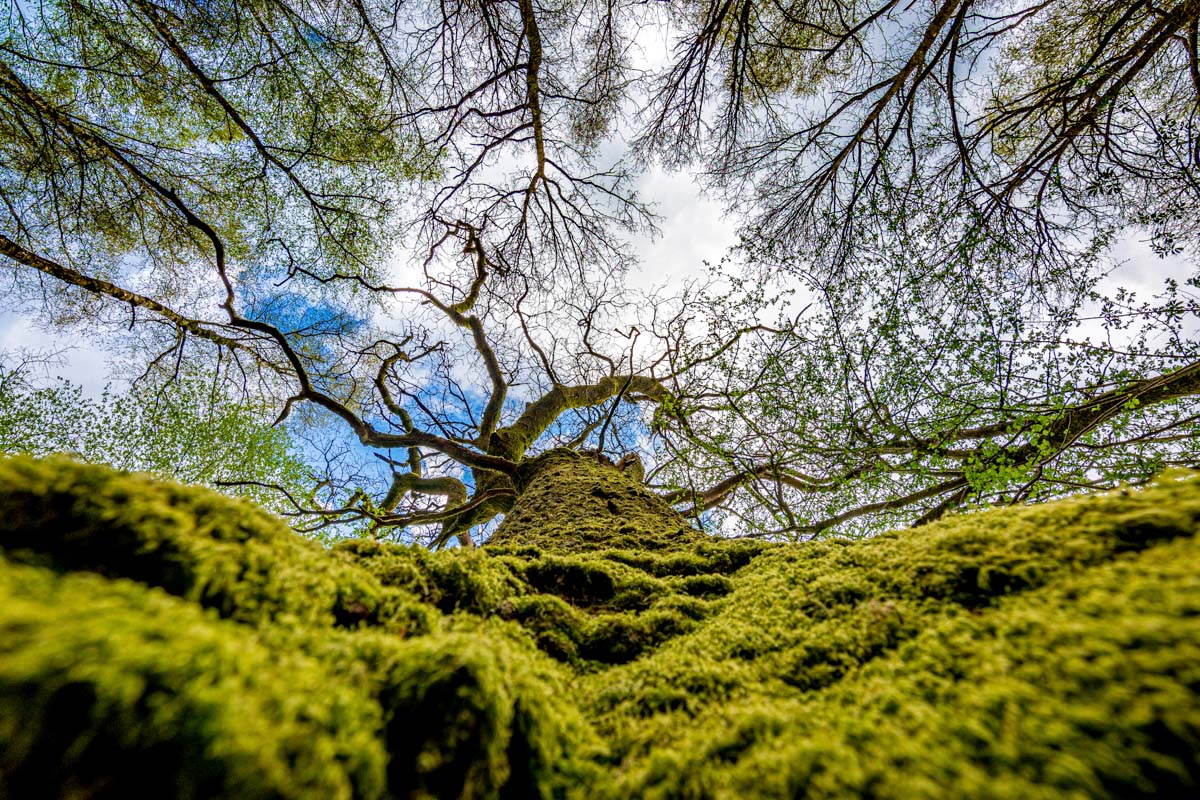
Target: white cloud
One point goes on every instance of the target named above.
(694, 229)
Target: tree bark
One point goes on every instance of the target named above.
(569, 501)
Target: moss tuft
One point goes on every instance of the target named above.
(222, 553)
(454, 580)
(473, 715)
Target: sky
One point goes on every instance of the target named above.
(693, 230)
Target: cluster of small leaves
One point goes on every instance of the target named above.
(271, 119)
(1046, 119)
(188, 430)
(932, 372)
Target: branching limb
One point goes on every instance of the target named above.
(512, 441)
(103, 288)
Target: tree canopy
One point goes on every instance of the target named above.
(405, 230)
(188, 430)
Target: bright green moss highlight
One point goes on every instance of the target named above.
(1084, 689)
(159, 636)
(219, 552)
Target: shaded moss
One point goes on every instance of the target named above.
(619, 638)
(557, 627)
(453, 580)
(1084, 689)
(838, 668)
(569, 635)
(705, 556)
(1051, 652)
(460, 710)
(579, 581)
(311, 640)
(706, 585)
(593, 583)
(101, 678)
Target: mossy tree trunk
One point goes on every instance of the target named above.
(166, 640)
(504, 472)
(571, 501)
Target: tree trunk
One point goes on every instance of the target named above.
(569, 501)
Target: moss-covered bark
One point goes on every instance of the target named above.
(567, 501)
(169, 639)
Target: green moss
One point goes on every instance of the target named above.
(222, 553)
(620, 638)
(557, 627)
(702, 557)
(110, 689)
(278, 669)
(453, 580)
(99, 678)
(569, 635)
(1084, 689)
(476, 715)
(163, 635)
(837, 669)
(706, 585)
(568, 502)
(593, 583)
